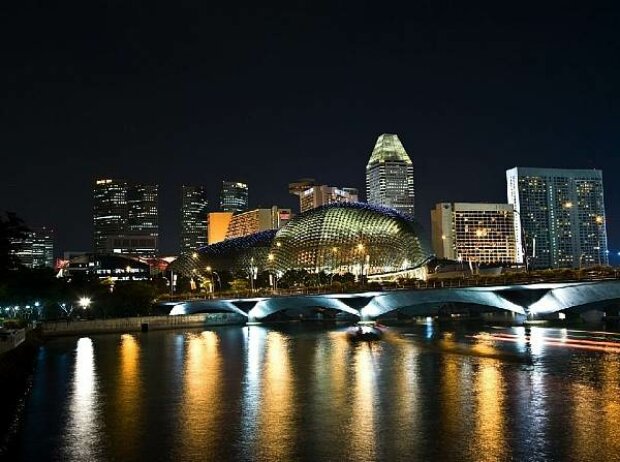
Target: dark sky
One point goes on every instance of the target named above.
(197, 92)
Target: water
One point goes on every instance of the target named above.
(307, 393)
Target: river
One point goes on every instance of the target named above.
(304, 392)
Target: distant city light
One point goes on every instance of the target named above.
(84, 302)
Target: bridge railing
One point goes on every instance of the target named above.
(431, 284)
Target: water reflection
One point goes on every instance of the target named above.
(407, 397)
(309, 394)
(596, 412)
(490, 432)
(277, 431)
(255, 343)
(362, 428)
(82, 440)
(201, 406)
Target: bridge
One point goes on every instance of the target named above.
(530, 300)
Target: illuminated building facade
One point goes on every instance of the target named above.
(36, 249)
(559, 216)
(481, 233)
(125, 217)
(194, 205)
(389, 176)
(111, 267)
(350, 237)
(358, 238)
(234, 196)
(254, 221)
(217, 226)
(312, 195)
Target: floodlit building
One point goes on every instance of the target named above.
(254, 221)
(234, 196)
(358, 238)
(217, 226)
(194, 206)
(125, 217)
(474, 232)
(312, 195)
(559, 216)
(36, 249)
(389, 176)
(110, 267)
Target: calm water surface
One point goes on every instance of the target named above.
(306, 393)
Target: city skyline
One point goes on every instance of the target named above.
(471, 92)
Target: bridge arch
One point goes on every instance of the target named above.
(387, 302)
(568, 296)
(270, 306)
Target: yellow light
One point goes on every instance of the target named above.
(360, 246)
(568, 205)
(599, 220)
(208, 268)
(194, 255)
(270, 257)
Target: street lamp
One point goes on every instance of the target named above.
(251, 274)
(84, 302)
(212, 272)
(599, 221)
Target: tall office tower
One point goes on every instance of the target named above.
(126, 218)
(234, 196)
(389, 176)
(194, 205)
(482, 233)
(312, 195)
(559, 216)
(36, 249)
(109, 211)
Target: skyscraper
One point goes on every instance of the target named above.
(389, 175)
(481, 233)
(109, 211)
(194, 205)
(234, 196)
(559, 216)
(125, 217)
(36, 249)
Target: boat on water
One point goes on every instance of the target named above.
(364, 333)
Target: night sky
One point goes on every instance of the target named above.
(197, 92)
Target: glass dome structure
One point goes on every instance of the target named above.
(350, 237)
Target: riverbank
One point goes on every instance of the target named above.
(138, 324)
(16, 369)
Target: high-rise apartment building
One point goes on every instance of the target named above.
(234, 196)
(194, 206)
(125, 217)
(559, 216)
(481, 233)
(36, 249)
(312, 195)
(389, 175)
